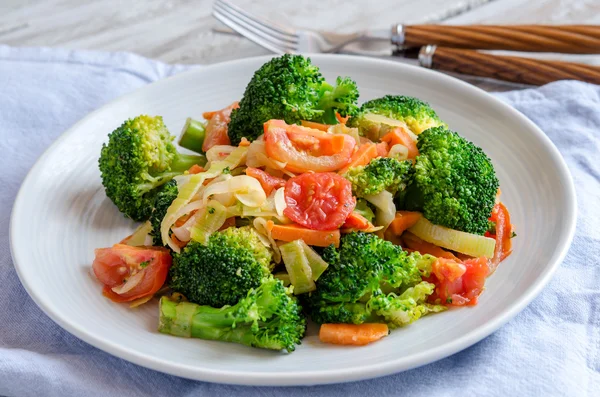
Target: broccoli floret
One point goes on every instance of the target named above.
(290, 88)
(382, 173)
(223, 271)
(138, 158)
(455, 184)
(363, 273)
(413, 112)
(164, 197)
(267, 317)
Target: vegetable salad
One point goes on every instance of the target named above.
(300, 204)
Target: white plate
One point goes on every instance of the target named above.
(61, 214)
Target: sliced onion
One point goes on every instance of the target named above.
(280, 203)
(208, 222)
(399, 152)
(183, 232)
(140, 301)
(219, 152)
(260, 224)
(342, 129)
(466, 243)
(386, 210)
(129, 284)
(141, 236)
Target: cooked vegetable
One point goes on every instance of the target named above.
(192, 135)
(319, 201)
(296, 264)
(365, 153)
(503, 234)
(455, 184)
(138, 158)
(457, 283)
(165, 196)
(382, 173)
(414, 243)
(290, 88)
(303, 149)
(352, 334)
(403, 221)
(363, 268)
(378, 116)
(466, 243)
(267, 181)
(141, 236)
(212, 218)
(319, 238)
(223, 271)
(266, 317)
(400, 136)
(129, 273)
(190, 188)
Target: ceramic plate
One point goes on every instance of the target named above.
(61, 214)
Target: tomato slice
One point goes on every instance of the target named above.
(319, 201)
(130, 273)
(503, 238)
(307, 149)
(267, 181)
(216, 128)
(459, 283)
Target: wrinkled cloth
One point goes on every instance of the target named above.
(552, 348)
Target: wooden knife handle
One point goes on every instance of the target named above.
(507, 68)
(571, 39)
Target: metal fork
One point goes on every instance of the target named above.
(281, 39)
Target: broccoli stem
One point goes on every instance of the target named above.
(192, 135)
(183, 162)
(204, 322)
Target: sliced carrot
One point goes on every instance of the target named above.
(195, 169)
(400, 136)
(210, 115)
(382, 149)
(183, 219)
(352, 334)
(340, 119)
(229, 222)
(403, 221)
(356, 221)
(392, 237)
(244, 142)
(415, 243)
(365, 153)
(316, 126)
(319, 238)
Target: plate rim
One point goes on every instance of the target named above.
(306, 377)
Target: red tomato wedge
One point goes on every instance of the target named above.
(400, 136)
(459, 283)
(267, 181)
(216, 128)
(503, 248)
(319, 201)
(307, 149)
(130, 273)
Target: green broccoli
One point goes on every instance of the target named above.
(223, 271)
(455, 184)
(267, 317)
(164, 197)
(382, 173)
(365, 278)
(138, 158)
(290, 88)
(376, 117)
(364, 208)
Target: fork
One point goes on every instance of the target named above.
(567, 39)
(280, 39)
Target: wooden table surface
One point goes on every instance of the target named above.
(181, 31)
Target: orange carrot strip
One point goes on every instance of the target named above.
(244, 142)
(340, 119)
(365, 153)
(415, 243)
(195, 169)
(316, 126)
(403, 221)
(356, 221)
(352, 334)
(229, 222)
(382, 149)
(400, 136)
(319, 238)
